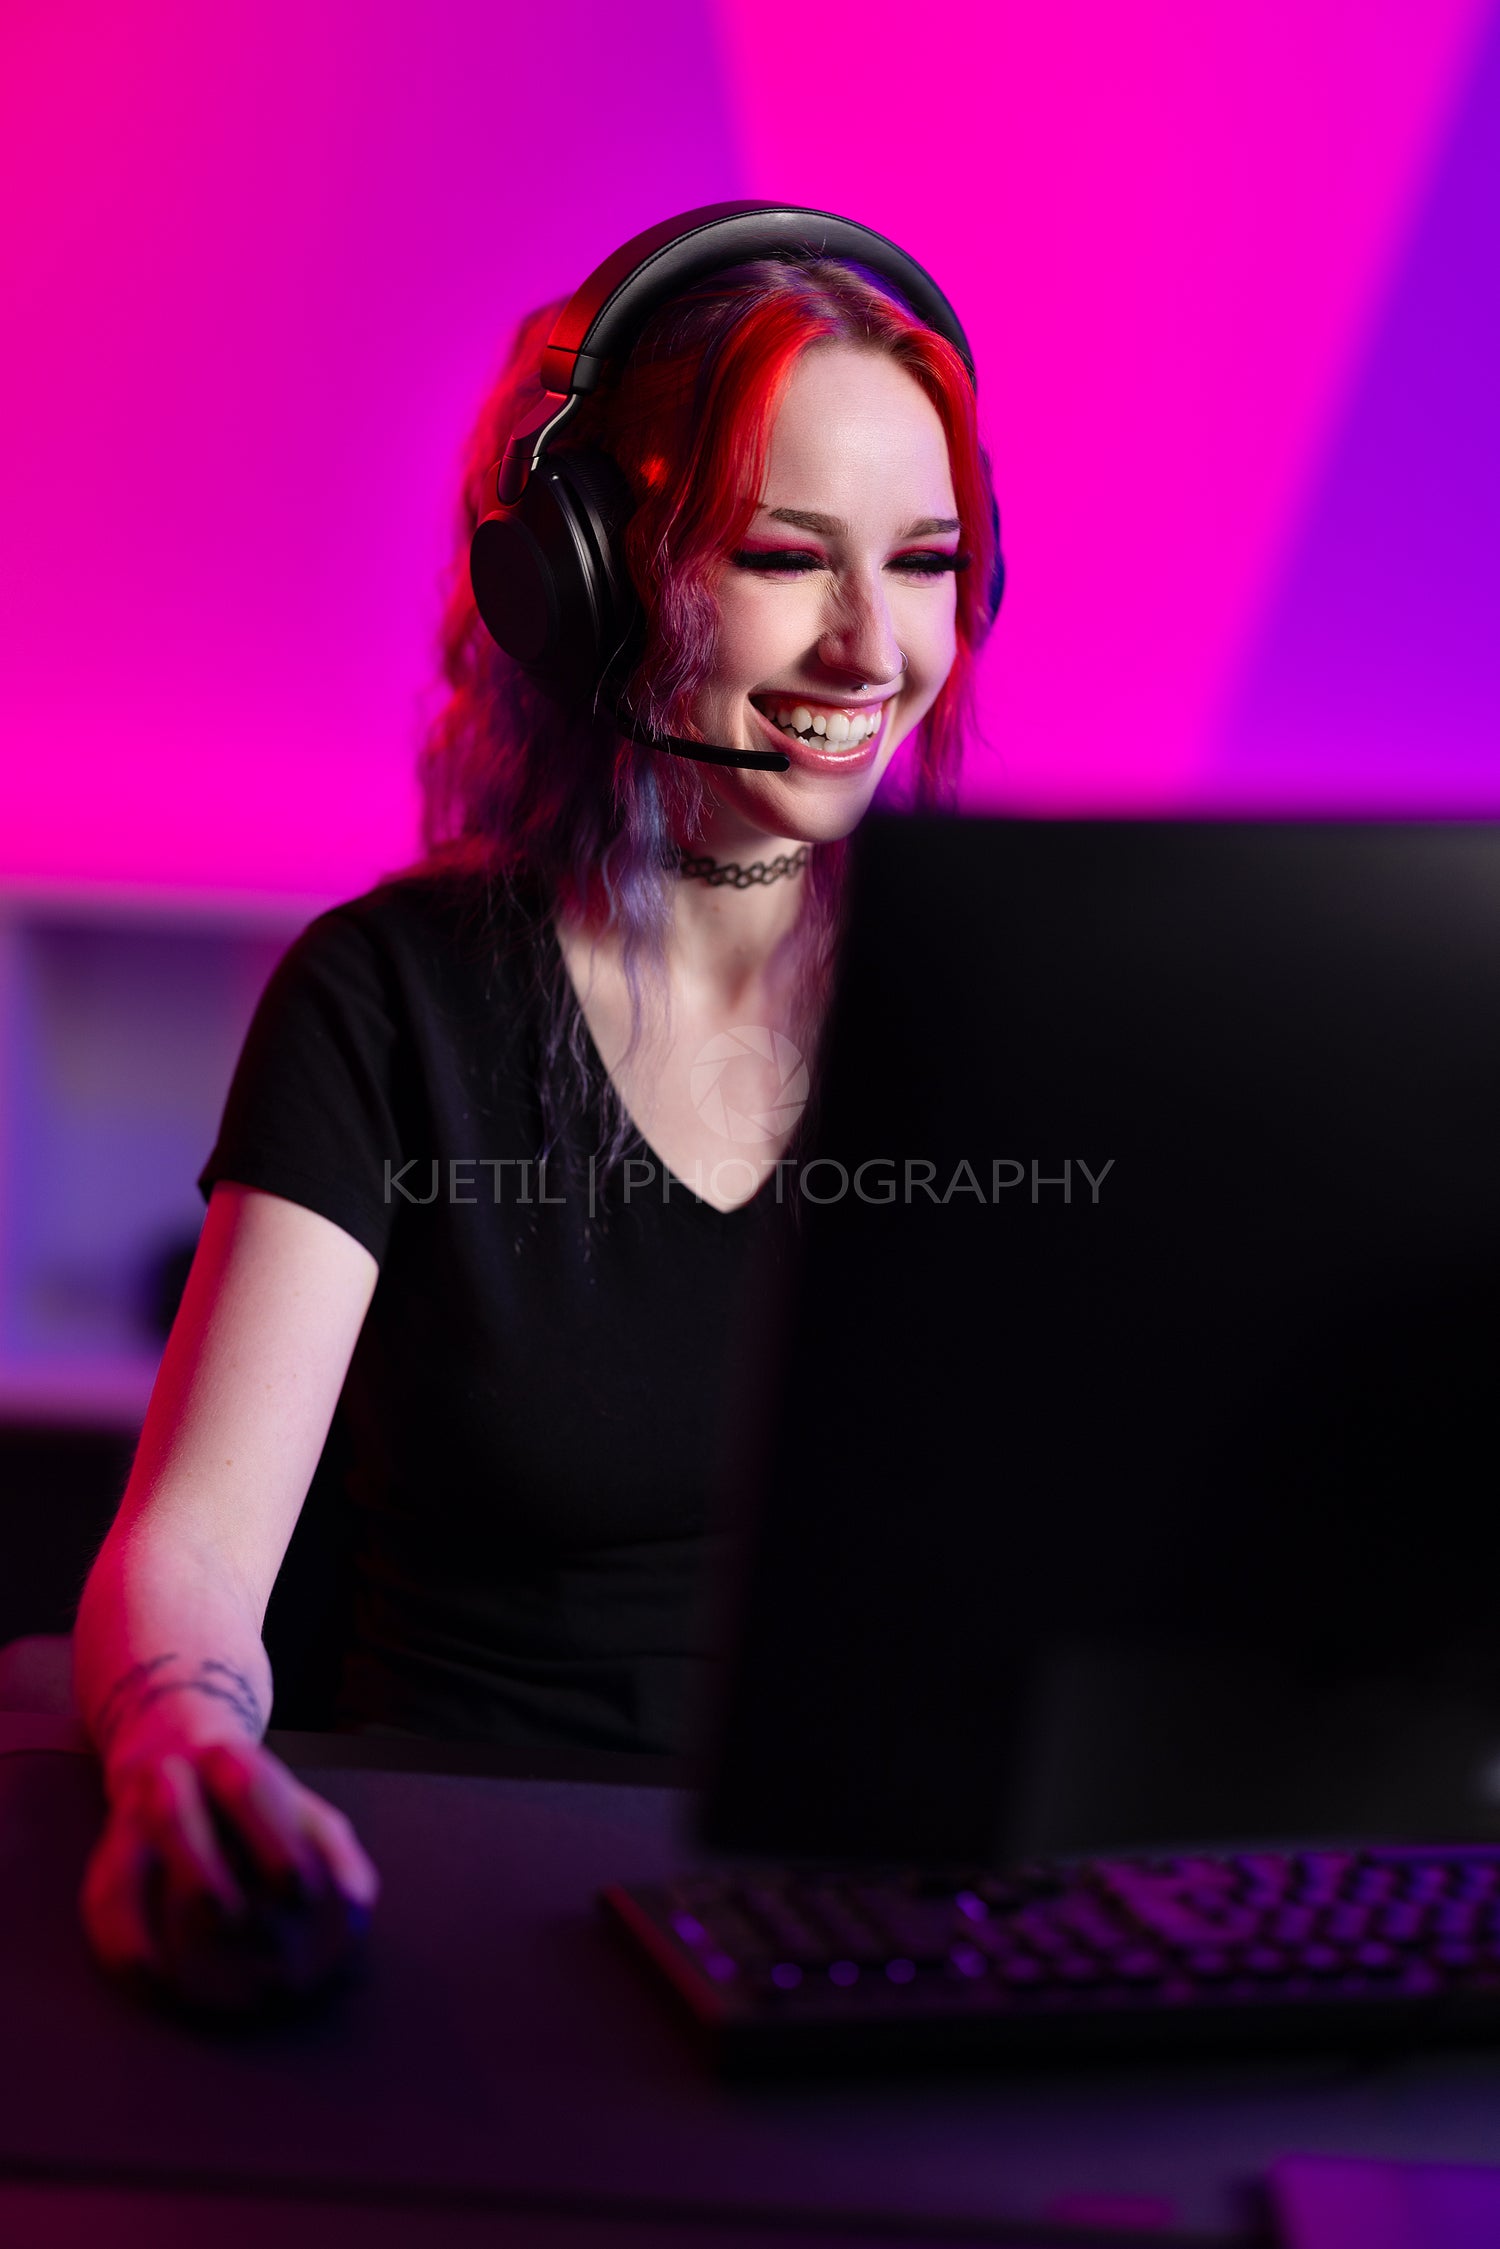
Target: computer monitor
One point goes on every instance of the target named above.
(1119, 1465)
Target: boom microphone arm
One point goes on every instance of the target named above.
(704, 753)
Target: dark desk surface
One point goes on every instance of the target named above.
(508, 2071)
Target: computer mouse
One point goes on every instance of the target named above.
(296, 1941)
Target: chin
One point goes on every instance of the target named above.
(811, 815)
(831, 823)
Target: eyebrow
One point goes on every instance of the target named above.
(834, 527)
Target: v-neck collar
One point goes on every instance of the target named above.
(678, 1189)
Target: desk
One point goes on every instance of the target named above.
(506, 2073)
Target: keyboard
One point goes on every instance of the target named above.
(796, 1968)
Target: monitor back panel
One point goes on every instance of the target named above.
(1120, 1465)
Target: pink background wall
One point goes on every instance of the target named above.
(1229, 275)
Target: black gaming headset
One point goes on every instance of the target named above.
(547, 561)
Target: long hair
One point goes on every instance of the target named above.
(558, 809)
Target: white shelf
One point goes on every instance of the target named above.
(122, 1012)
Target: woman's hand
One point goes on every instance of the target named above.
(222, 1882)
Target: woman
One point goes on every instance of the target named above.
(484, 1193)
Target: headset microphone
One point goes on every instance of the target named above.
(706, 753)
(547, 561)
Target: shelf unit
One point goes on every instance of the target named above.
(122, 1012)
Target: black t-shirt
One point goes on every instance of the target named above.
(531, 1420)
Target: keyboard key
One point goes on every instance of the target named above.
(1264, 1960)
(1042, 1934)
(729, 1931)
(1268, 1871)
(1139, 1967)
(1402, 1923)
(1023, 1971)
(907, 1926)
(1372, 1885)
(1320, 1877)
(777, 1924)
(1426, 1882)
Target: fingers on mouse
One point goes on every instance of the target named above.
(227, 1912)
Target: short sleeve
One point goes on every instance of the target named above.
(312, 1109)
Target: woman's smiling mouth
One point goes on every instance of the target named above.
(835, 737)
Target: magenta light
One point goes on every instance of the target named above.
(261, 267)
(1170, 232)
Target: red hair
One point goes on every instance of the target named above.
(556, 802)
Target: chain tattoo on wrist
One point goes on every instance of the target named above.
(137, 1689)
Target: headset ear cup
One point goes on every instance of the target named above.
(514, 592)
(601, 505)
(549, 574)
(997, 567)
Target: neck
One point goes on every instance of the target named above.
(727, 941)
(728, 946)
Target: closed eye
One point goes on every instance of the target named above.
(929, 563)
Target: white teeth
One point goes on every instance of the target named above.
(837, 726)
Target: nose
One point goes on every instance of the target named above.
(860, 637)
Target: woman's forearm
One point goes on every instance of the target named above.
(168, 1655)
(168, 1638)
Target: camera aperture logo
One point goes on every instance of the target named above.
(749, 1083)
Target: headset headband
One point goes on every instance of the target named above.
(603, 318)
